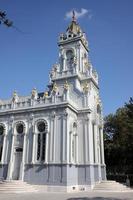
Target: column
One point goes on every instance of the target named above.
(76, 138)
(64, 132)
(34, 152)
(95, 142)
(10, 166)
(30, 140)
(88, 140)
(63, 61)
(51, 139)
(79, 55)
(25, 150)
(85, 142)
(47, 143)
(54, 140)
(102, 146)
(70, 147)
(4, 151)
(24, 155)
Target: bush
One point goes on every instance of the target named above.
(120, 178)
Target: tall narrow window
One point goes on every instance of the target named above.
(70, 58)
(1, 148)
(43, 146)
(38, 146)
(41, 140)
(1, 140)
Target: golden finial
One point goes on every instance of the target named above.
(45, 94)
(66, 85)
(15, 93)
(15, 96)
(55, 87)
(73, 16)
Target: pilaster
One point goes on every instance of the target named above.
(10, 165)
(96, 144)
(64, 146)
(5, 149)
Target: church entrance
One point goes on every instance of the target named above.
(18, 151)
(17, 163)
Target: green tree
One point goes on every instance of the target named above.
(118, 131)
(4, 20)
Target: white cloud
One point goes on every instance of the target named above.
(79, 14)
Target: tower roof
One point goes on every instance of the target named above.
(73, 26)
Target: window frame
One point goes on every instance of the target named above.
(43, 142)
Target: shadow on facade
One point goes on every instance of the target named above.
(94, 198)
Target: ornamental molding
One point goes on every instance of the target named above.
(86, 87)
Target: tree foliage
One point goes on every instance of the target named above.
(4, 20)
(118, 132)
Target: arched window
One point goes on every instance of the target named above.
(69, 58)
(2, 130)
(20, 128)
(41, 140)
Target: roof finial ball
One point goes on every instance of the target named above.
(73, 16)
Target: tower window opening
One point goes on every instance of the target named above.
(70, 58)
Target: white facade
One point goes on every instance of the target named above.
(55, 138)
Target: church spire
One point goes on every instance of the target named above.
(73, 26)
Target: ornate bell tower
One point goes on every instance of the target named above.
(75, 81)
(73, 47)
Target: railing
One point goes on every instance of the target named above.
(4, 106)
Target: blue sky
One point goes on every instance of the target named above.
(26, 58)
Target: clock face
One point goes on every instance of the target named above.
(1, 130)
(70, 58)
(41, 127)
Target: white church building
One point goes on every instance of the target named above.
(55, 138)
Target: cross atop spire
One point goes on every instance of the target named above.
(73, 17)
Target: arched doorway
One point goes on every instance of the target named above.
(18, 150)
